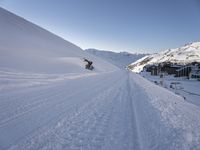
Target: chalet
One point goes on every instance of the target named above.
(148, 68)
(155, 70)
(170, 68)
(195, 73)
(196, 64)
(191, 70)
(184, 71)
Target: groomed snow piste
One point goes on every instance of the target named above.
(117, 110)
(49, 101)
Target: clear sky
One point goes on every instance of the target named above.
(118, 25)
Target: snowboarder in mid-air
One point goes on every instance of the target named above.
(89, 64)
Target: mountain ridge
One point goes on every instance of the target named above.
(119, 59)
(184, 55)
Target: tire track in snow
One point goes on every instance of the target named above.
(135, 126)
(106, 122)
(101, 116)
(86, 124)
(124, 133)
(165, 120)
(44, 99)
(45, 116)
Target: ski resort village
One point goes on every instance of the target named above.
(142, 94)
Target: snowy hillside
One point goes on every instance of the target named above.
(184, 55)
(121, 59)
(112, 111)
(48, 101)
(27, 47)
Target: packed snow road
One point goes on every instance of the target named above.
(116, 110)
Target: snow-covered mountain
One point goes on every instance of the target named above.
(27, 47)
(121, 59)
(184, 55)
(49, 101)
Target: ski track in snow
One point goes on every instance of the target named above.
(116, 110)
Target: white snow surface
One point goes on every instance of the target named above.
(114, 110)
(183, 55)
(187, 88)
(27, 47)
(121, 59)
(49, 101)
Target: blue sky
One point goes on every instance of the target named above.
(118, 25)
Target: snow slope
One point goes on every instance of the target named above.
(112, 111)
(46, 105)
(187, 54)
(27, 47)
(121, 59)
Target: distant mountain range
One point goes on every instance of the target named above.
(121, 59)
(184, 55)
